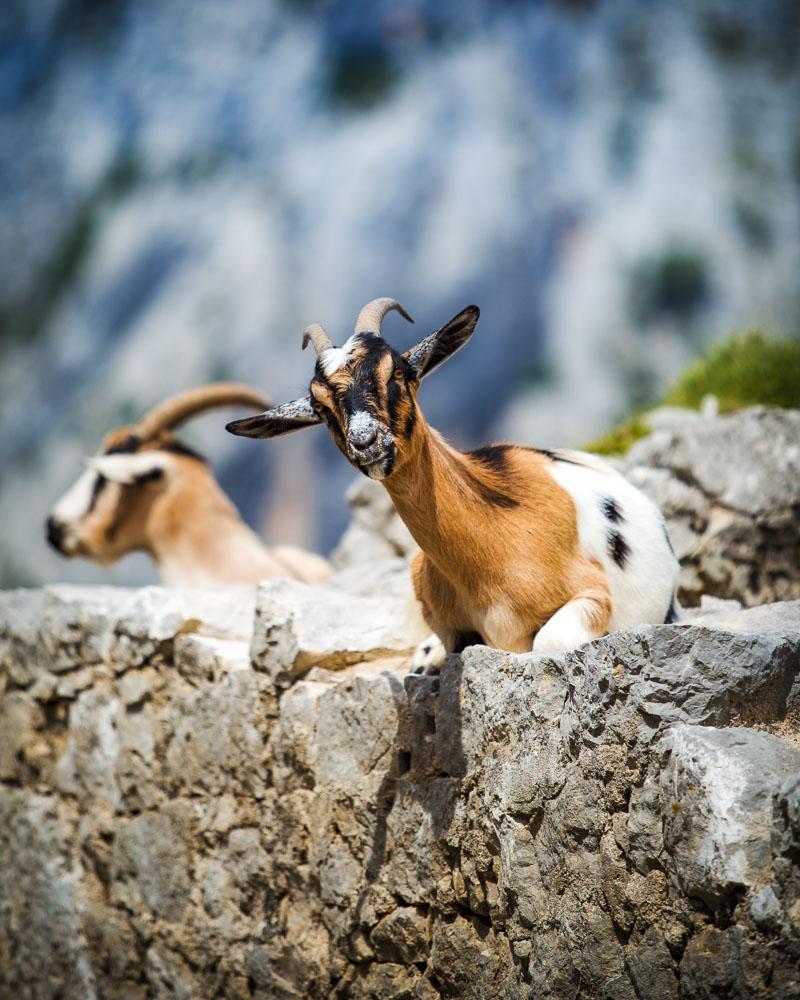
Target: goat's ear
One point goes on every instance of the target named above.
(432, 351)
(279, 420)
(126, 469)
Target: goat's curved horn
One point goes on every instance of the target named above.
(371, 316)
(315, 335)
(178, 408)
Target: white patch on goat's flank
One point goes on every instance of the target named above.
(77, 500)
(334, 358)
(643, 586)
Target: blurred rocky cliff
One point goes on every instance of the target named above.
(185, 185)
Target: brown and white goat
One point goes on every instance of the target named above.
(521, 548)
(145, 491)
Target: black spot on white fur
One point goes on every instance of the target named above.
(611, 510)
(618, 548)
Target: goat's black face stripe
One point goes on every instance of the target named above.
(612, 510)
(672, 614)
(618, 548)
(97, 489)
(126, 447)
(131, 445)
(368, 389)
(394, 394)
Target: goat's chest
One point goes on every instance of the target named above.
(506, 606)
(502, 626)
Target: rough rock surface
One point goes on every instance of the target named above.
(298, 627)
(182, 816)
(729, 488)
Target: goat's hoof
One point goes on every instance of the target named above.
(428, 656)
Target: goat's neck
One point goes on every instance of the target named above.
(430, 495)
(202, 541)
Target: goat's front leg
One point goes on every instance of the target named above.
(431, 652)
(580, 620)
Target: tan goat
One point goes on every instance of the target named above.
(521, 547)
(145, 491)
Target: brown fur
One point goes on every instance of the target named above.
(499, 571)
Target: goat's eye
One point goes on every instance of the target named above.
(398, 374)
(316, 406)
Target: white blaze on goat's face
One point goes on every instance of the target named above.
(76, 502)
(335, 358)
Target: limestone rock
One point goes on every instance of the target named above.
(181, 814)
(299, 626)
(717, 790)
(749, 462)
(730, 490)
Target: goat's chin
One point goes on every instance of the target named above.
(70, 547)
(380, 469)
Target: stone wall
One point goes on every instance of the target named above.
(193, 805)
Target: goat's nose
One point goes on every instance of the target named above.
(362, 437)
(55, 533)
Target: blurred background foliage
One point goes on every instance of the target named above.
(185, 185)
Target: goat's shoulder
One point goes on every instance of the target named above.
(503, 459)
(525, 473)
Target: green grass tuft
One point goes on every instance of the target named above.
(748, 369)
(745, 370)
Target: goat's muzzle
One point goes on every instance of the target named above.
(370, 446)
(55, 534)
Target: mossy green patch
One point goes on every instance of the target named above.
(620, 438)
(746, 370)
